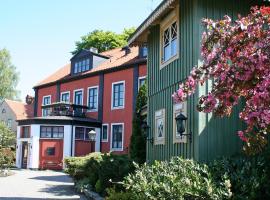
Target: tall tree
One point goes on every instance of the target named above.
(103, 40)
(8, 76)
(138, 142)
(236, 57)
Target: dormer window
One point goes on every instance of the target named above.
(82, 66)
(86, 60)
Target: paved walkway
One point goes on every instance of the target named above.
(27, 184)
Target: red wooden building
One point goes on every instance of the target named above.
(96, 91)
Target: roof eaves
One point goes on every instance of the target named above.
(71, 78)
(150, 19)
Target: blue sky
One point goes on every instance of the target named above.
(41, 34)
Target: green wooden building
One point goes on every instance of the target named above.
(172, 34)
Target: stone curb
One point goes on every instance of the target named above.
(92, 195)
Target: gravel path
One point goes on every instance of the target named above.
(27, 184)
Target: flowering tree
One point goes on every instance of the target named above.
(236, 57)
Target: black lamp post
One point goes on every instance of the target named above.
(92, 137)
(180, 125)
(145, 129)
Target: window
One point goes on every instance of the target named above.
(78, 97)
(50, 151)
(177, 109)
(117, 137)
(105, 133)
(118, 94)
(82, 66)
(93, 99)
(9, 123)
(51, 132)
(142, 81)
(170, 42)
(160, 127)
(25, 132)
(81, 133)
(46, 101)
(65, 97)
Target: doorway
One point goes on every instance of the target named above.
(24, 155)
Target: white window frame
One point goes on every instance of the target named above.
(164, 25)
(160, 114)
(123, 133)
(88, 89)
(77, 90)
(84, 138)
(112, 95)
(47, 104)
(102, 140)
(62, 93)
(140, 78)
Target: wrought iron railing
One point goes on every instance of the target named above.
(65, 109)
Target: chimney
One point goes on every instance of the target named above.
(29, 100)
(127, 50)
(93, 50)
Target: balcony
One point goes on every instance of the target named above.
(65, 109)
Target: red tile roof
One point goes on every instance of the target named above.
(117, 59)
(21, 110)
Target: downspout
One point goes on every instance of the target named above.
(71, 148)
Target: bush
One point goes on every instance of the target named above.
(76, 166)
(249, 176)
(100, 171)
(7, 158)
(113, 194)
(177, 179)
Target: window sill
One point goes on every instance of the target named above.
(118, 108)
(104, 141)
(116, 149)
(91, 111)
(165, 63)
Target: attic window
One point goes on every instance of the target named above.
(82, 66)
(169, 40)
(3, 111)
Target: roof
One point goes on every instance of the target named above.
(136, 38)
(21, 110)
(117, 58)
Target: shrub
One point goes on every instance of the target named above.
(177, 179)
(100, 171)
(113, 194)
(7, 158)
(249, 176)
(76, 166)
(113, 169)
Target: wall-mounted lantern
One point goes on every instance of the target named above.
(181, 125)
(92, 137)
(145, 127)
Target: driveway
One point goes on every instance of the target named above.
(27, 184)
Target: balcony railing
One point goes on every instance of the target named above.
(65, 109)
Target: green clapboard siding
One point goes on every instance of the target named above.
(212, 137)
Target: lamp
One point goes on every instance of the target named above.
(92, 137)
(145, 129)
(180, 125)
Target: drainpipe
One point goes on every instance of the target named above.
(71, 148)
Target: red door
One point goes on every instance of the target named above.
(51, 154)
